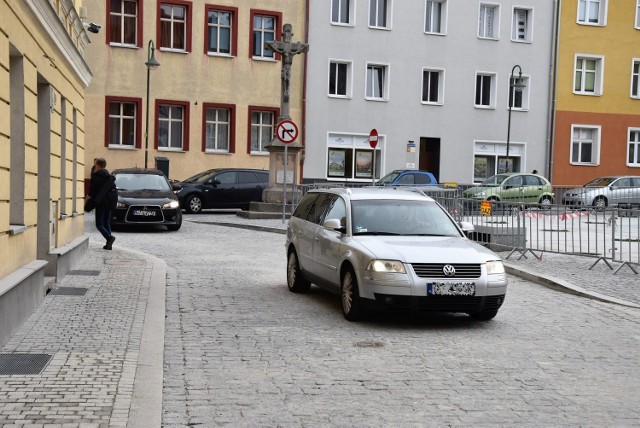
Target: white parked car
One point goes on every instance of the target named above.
(623, 190)
(390, 247)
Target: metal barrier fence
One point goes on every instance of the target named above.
(609, 233)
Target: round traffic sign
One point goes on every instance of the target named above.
(287, 131)
(373, 138)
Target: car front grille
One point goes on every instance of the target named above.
(436, 270)
(144, 214)
(441, 303)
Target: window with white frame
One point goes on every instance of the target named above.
(488, 21)
(380, 13)
(350, 157)
(635, 78)
(171, 127)
(342, 11)
(264, 30)
(435, 17)
(262, 128)
(638, 15)
(123, 22)
(123, 116)
(217, 129)
(220, 31)
(633, 149)
(174, 26)
(585, 145)
(592, 12)
(376, 82)
(432, 86)
(519, 100)
(339, 78)
(485, 88)
(588, 75)
(522, 25)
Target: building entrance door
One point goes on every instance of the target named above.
(430, 156)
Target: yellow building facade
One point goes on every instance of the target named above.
(43, 76)
(213, 100)
(597, 117)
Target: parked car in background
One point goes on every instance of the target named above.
(392, 248)
(408, 177)
(531, 189)
(623, 190)
(145, 197)
(222, 188)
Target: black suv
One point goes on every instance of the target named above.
(222, 188)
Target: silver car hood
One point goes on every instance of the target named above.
(426, 249)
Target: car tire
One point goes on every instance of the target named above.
(194, 204)
(174, 227)
(600, 202)
(546, 202)
(350, 297)
(484, 315)
(295, 278)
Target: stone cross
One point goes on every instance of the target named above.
(288, 50)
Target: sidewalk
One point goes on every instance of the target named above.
(100, 338)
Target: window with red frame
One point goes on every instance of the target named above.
(264, 30)
(172, 125)
(123, 123)
(174, 26)
(262, 128)
(123, 22)
(218, 124)
(221, 30)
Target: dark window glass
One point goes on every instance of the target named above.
(422, 179)
(246, 177)
(319, 208)
(305, 204)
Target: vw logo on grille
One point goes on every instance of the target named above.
(449, 270)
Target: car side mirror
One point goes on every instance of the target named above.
(175, 187)
(334, 224)
(466, 226)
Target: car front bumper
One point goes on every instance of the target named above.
(146, 214)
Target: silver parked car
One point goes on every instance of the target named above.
(602, 192)
(390, 247)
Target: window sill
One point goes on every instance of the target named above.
(588, 94)
(492, 39)
(429, 33)
(121, 147)
(259, 154)
(178, 51)
(427, 103)
(340, 97)
(16, 229)
(518, 109)
(583, 164)
(342, 24)
(633, 165)
(259, 58)
(479, 107)
(379, 28)
(526, 42)
(379, 100)
(220, 55)
(591, 24)
(120, 45)
(216, 152)
(165, 149)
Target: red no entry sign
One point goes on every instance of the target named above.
(287, 131)
(373, 138)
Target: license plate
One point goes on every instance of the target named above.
(144, 213)
(451, 288)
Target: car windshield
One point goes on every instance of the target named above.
(130, 182)
(398, 217)
(389, 178)
(495, 180)
(199, 178)
(600, 182)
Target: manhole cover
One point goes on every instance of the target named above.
(68, 291)
(369, 344)
(85, 272)
(23, 364)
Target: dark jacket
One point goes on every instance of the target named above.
(102, 185)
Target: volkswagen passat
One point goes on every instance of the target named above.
(390, 247)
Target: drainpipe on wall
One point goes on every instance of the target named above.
(553, 85)
(304, 93)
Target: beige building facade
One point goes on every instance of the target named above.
(213, 100)
(43, 76)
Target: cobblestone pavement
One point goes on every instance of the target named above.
(241, 350)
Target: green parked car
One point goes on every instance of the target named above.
(531, 189)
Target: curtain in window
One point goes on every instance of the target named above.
(375, 82)
(635, 83)
(634, 147)
(433, 16)
(340, 11)
(519, 24)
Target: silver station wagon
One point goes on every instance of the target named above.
(391, 248)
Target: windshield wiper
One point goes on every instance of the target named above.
(378, 233)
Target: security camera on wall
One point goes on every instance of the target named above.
(92, 27)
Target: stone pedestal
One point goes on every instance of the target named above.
(275, 192)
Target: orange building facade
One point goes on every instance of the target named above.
(597, 113)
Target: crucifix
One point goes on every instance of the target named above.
(288, 50)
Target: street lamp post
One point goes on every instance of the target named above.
(518, 85)
(151, 64)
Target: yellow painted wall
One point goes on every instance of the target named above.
(192, 77)
(20, 28)
(618, 42)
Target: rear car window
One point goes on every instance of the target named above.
(303, 207)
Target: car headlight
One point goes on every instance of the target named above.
(481, 194)
(389, 266)
(172, 204)
(120, 205)
(495, 267)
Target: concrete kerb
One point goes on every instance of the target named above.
(519, 271)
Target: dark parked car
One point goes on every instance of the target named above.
(408, 177)
(222, 188)
(145, 196)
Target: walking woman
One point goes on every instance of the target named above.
(103, 195)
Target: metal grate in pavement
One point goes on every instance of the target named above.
(23, 364)
(84, 272)
(68, 291)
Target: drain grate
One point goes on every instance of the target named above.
(23, 364)
(84, 272)
(369, 344)
(68, 291)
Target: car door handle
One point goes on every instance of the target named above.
(316, 239)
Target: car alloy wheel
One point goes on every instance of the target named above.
(295, 279)
(600, 202)
(194, 204)
(350, 296)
